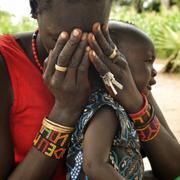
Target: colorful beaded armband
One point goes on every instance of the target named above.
(144, 116)
(52, 139)
(150, 131)
(146, 122)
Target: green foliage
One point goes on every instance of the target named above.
(7, 25)
(26, 24)
(169, 40)
(162, 27)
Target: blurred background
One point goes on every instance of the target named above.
(160, 19)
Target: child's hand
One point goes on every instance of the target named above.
(66, 75)
(106, 59)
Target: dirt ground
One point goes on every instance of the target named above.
(167, 94)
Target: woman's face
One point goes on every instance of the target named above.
(65, 16)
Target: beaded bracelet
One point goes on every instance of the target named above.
(146, 122)
(144, 116)
(52, 139)
(150, 131)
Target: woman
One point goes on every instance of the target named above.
(26, 100)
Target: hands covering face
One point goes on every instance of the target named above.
(66, 69)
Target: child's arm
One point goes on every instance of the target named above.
(98, 139)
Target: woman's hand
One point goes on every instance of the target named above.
(69, 85)
(102, 58)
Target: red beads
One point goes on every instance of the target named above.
(34, 50)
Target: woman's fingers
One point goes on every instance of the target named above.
(69, 48)
(98, 64)
(105, 31)
(82, 73)
(66, 54)
(94, 45)
(76, 59)
(103, 43)
(77, 56)
(51, 60)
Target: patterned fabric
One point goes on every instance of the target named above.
(125, 154)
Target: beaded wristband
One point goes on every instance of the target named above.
(52, 140)
(146, 122)
(144, 116)
(142, 111)
(150, 131)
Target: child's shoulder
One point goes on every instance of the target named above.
(101, 101)
(100, 98)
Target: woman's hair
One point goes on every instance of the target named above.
(37, 6)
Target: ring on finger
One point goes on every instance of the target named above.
(110, 81)
(60, 68)
(114, 53)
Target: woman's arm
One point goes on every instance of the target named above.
(35, 165)
(98, 140)
(163, 153)
(6, 146)
(160, 115)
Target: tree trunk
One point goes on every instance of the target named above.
(166, 3)
(138, 5)
(172, 66)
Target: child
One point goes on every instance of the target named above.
(105, 144)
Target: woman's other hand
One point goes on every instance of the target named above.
(106, 58)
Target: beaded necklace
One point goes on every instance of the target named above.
(34, 50)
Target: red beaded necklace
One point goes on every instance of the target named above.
(34, 50)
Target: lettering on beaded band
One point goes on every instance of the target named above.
(51, 143)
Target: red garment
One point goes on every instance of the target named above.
(31, 100)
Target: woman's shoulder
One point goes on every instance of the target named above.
(21, 39)
(24, 39)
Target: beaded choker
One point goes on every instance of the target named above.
(34, 50)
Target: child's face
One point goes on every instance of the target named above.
(65, 16)
(141, 58)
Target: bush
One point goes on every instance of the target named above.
(7, 25)
(163, 28)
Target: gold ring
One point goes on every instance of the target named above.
(114, 53)
(60, 68)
